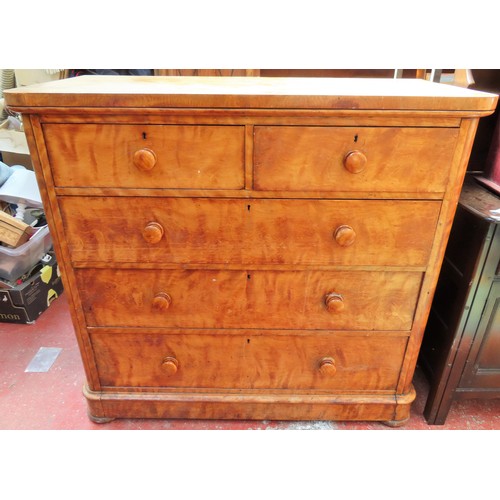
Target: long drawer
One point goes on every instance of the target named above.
(249, 232)
(146, 156)
(354, 159)
(319, 362)
(346, 300)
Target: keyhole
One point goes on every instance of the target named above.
(248, 208)
(248, 341)
(248, 276)
(144, 135)
(356, 138)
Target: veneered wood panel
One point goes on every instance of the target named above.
(249, 299)
(189, 226)
(247, 405)
(247, 232)
(204, 157)
(249, 92)
(249, 362)
(312, 158)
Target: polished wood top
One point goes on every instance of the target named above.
(250, 92)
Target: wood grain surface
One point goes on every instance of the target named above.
(187, 156)
(249, 299)
(313, 158)
(249, 232)
(249, 362)
(249, 247)
(250, 92)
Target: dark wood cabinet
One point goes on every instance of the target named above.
(461, 346)
(482, 370)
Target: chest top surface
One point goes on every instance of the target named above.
(250, 92)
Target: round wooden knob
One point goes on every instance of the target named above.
(144, 159)
(162, 301)
(334, 302)
(153, 232)
(344, 235)
(355, 162)
(327, 367)
(170, 366)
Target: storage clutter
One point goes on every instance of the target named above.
(26, 256)
(24, 302)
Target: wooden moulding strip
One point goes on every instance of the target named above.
(326, 117)
(111, 330)
(249, 142)
(245, 193)
(34, 136)
(203, 104)
(446, 217)
(90, 264)
(381, 407)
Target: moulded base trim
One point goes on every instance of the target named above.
(106, 406)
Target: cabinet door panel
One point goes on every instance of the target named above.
(483, 367)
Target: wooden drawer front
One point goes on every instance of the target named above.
(248, 362)
(248, 232)
(249, 299)
(170, 156)
(313, 158)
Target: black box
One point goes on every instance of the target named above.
(25, 302)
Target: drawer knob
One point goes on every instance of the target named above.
(153, 232)
(334, 302)
(344, 235)
(162, 301)
(170, 365)
(327, 367)
(144, 159)
(355, 162)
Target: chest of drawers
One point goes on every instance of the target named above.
(254, 248)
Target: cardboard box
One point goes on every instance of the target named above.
(25, 302)
(32, 76)
(14, 232)
(16, 159)
(14, 146)
(12, 139)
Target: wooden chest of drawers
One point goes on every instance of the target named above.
(256, 248)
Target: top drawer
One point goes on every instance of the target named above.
(146, 156)
(353, 159)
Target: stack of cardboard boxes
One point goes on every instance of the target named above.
(29, 275)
